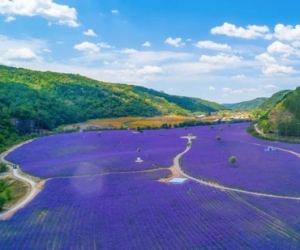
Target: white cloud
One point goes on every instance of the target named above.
(87, 47)
(59, 14)
(288, 32)
(239, 77)
(175, 42)
(251, 31)
(189, 40)
(278, 47)
(275, 69)
(237, 91)
(296, 44)
(21, 53)
(211, 88)
(270, 86)
(135, 56)
(105, 45)
(89, 32)
(212, 45)
(220, 59)
(148, 69)
(265, 58)
(115, 11)
(20, 49)
(129, 51)
(146, 44)
(47, 50)
(9, 19)
(225, 89)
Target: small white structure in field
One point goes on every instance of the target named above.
(268, 149)
(81, 130)
(138, 160)
(178, 180)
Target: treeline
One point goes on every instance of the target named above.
(189, 123)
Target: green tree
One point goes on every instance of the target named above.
(218, 138)
(232, 159)
(3, 167)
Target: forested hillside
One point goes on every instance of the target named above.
(56, 99)
(284, 117)
(273, 100)
(247, 105)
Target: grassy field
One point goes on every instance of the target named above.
(134, 122)
(12, 190)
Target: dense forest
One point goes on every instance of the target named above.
(55, 99)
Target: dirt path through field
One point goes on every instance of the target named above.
(35, 187)
(259, 131)
(224, 188)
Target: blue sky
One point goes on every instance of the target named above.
(223, 51)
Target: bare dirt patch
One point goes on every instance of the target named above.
(174, 174)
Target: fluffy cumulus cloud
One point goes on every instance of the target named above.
(211, 88)
(148, 69)
(146, 44)
(250, 32)
(87, 47)
(270, 64)
(275, 69)
(220, 59)
(177, 42)
(278, 47)
(265, 58)
(57, 13)
(89, 32)
(288, 32)
(21, 53)
(212, 45)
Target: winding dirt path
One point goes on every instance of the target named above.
(224, 188)
(34, 187)
(259, 131)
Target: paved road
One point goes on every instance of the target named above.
(224, 188)
(32, 184)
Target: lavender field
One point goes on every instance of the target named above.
(97, 197)
(272, 172)
(87, 153)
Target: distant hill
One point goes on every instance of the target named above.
(270, 102)
(246, 105)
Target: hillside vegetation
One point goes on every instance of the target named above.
(247, 105)
(273, 100)
(284, 117)
(56, 99)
